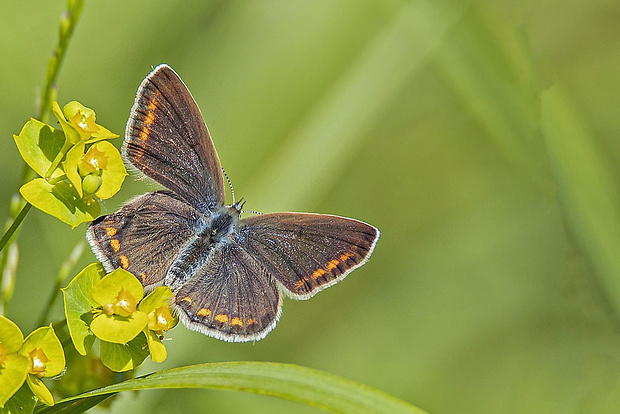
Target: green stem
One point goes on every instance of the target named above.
(59, 157)
(16, 222)
(58, 179)
(67, 26)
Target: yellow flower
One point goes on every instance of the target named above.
(38, 359)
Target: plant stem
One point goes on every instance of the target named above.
(16, 222)
(68, 22)
(59, 157)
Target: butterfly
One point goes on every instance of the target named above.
(228, 274)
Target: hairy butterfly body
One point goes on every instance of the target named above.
(227, 274)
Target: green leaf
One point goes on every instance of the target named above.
(114, 173)
(291, 382)
(157, 350)
(120, 357)
(118, 329)
(23, 401)
(39, 389)
(73, 407)
(79, 303)
(109, 287)
(45, 338)
(73, 157)
(60, 200)
(39, 144)
(11, 336)
(13, 373)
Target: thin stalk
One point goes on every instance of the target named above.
(68, 23)
(16, 222)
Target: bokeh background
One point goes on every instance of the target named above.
(481, 137)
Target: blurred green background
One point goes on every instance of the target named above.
(494, 287)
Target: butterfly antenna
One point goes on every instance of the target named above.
(232, 190)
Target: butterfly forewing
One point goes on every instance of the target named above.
(167, 139)
(307, 252)
(145, 236)
(231, 297)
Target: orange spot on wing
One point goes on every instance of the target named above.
(203, 311)
(186, 299)
(144, 134)
(250, 321)
(345, 256)
(153, 104)
(116, 245)
(333, 264)
(143, 276)
(318, 273)
(110, 231)
(150, 118)
(221, 318)
(236, 321)
(124, 262)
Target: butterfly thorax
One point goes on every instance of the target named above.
(214, 231)
(218, 226)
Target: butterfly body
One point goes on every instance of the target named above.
(227, 273)
(212, 232)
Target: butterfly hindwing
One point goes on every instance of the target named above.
(307, 252)
(144, 237)
(166, 138)
(230, 297)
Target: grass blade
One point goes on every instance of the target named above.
(291, 382)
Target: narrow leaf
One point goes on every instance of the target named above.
(73, 407)
(291, 382)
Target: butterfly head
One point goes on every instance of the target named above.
(238, 206)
